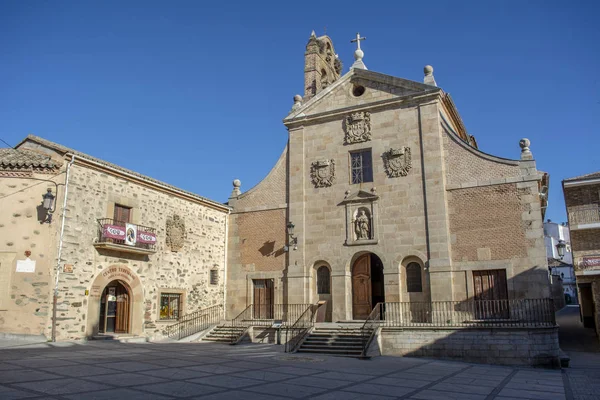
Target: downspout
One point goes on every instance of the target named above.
(60, 245)
(225, 264)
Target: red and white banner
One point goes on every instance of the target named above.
(146, 237)
(591, 262)
(113, 232)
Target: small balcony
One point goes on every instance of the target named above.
(125, 236)
(584, 217)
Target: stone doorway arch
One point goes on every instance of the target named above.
(132, 283)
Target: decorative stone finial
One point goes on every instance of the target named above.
(429, 79)
(313, 34)
(358, 54)
(236, 188)
(297, 102)
(525, 152)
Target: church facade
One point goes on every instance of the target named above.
(390, 200)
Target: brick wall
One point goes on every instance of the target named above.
(491, 346)
(487, 217)
(262, 236)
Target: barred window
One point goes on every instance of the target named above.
(214, 277)
(413, 278)
(361, 166)
(170, 305)
(323, 280)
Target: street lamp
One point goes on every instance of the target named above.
(293, 241)
(560, 247)
(48, 204)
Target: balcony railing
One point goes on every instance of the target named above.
(126, 236)
(580, 215)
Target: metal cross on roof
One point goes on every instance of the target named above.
(357, 40)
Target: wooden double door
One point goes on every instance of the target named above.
(115, 306)
(263, 298)
(367, 285)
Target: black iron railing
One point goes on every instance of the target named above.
(295, 332)
(104, 234)
(242, 320)
(370, 326)
(469, 313)
(195, 322)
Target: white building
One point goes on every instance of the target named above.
(560, 266)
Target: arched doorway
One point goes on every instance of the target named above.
(368, 287)
(115, 308)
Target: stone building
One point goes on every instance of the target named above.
(135, 254)
(582, 199)
(390, 200)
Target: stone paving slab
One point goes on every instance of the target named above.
(99, 370)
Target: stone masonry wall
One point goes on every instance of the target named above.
(26, 298)
(93, 194)
(256, 238)
(505, 346)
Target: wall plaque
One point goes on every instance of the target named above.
(26, 265)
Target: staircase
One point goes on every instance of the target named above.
(224, 334)
(341, 341)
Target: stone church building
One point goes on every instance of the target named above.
(380, 196)
(390, 201)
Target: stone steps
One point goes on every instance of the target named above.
(335, 341)
(224, 334)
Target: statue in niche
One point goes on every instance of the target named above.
(363, 226)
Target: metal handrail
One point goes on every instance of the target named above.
(241, 321)
(195, 322)
(303, 324)
(367, 331)
(470, 313)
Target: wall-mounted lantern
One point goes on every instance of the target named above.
(293, 240)
(560, 248)
(48, 204)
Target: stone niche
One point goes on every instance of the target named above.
(361, 218)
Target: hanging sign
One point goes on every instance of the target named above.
(131, 234)
(26, 265)
(113, 232)
(591, 262)
(146, 237)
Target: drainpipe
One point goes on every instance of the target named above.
(225, 264)
(60, 245)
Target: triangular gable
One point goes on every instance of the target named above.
(359, 196)
(378, 87)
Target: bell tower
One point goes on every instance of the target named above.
(322, 66)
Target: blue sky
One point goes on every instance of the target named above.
(194, 95)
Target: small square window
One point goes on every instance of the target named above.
(214, 277)
(170, 305)
(361, 166)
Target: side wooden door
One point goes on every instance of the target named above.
(263, 298)
(361, 287)
(491, 294)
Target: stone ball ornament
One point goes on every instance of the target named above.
(428, 69)
(297, 98)
(237, 183)
(359, 54)
(524, 143)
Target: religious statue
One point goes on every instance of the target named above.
(363, 228)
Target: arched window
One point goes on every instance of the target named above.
(413, 278)
(323, 280)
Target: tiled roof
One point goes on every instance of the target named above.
(593, 175)
(23, 158)
(64, 150)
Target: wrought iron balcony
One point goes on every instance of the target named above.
(579, 216)
(125, 236)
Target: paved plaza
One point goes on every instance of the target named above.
(113, 370)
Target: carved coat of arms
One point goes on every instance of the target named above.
(357, 127)
(322, 173)
(175, 232)
(397, 162)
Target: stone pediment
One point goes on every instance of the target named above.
(359, 88)
(360, 196)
